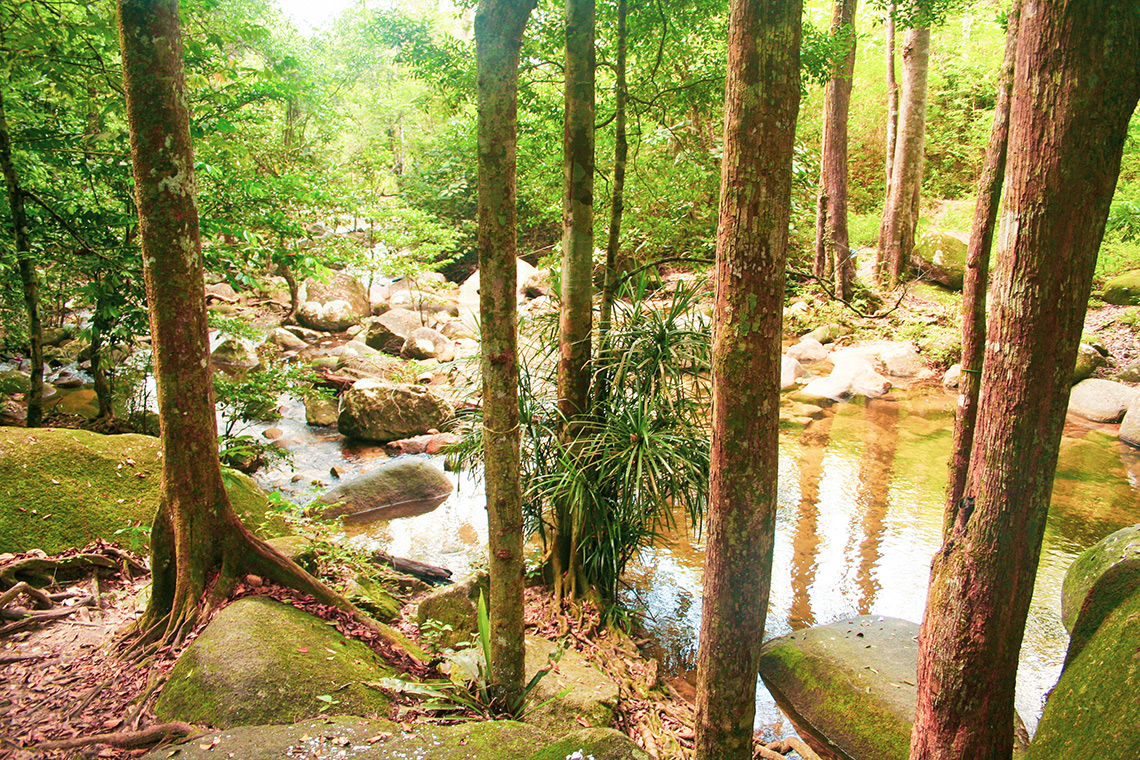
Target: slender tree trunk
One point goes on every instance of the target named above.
(761, 106)
(832, 248)
(613, 242)
(900, 215)
(103, 390)
(978, 274)
(197, 537)
(499, 26)
(28, 278)
(1076, 83)
(576, 318)
(892, 96)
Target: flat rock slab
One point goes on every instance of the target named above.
(592, 695)
(399, 488)
(1100, 400)
(848, 687)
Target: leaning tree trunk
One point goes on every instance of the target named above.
(832, 247)
(900, 215)
(197, 538)
(28, 278)
(499, 28)
(978, 275)
(762, 99)
(1076, 83)
(576, 318)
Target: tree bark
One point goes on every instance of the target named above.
(197, 538)
(832, 247)
(892, 96)
(28, 277)
(1076, 83)
(978, 274)
(499, 26)
(900, 214)
(761, 106)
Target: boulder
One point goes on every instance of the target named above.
(305, 334)
(1129, 374)
(334, 316)
(222, 290)
(234, 353)
(1123, 290)
(1089, 568)
(536, 285)
(426, 343)
(848, 687)
(66, 488)
(457, 329)
(939, 257)
(429, 443)
(14, 381)
(852, 374)
(1100, 400)
(56, 336)
(286, 340)
(375, 365)
(952, 377)
(422, 302)
(378, 410)
(260, 661)
(341, 286)
(591, 698)
(321, 411)
(388, 331)
(790, 371)
(807, 351)
(399, 488)
(454, 609)
(1130, 425)
(901, 360)
(1088, 360)
(469, 290)
(357, 348)
(373, 598)
(596, 743)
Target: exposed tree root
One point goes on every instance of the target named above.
(128, 739)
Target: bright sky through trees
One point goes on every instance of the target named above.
(309, 15)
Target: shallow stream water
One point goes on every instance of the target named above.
(860, 517)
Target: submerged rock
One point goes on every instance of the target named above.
(400, 488)
(260, 661)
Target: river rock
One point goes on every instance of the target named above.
(901, 360)
(66, 488)
(537, 285)
(1088, 360)
(457, 329)
(378, 410)
(953, 376)
(940, 257)
(305, 334)
(1100, 400)
(334, 316)
(399, 488)
(321, 411)
(422, 302)
(341, 286)
(286, 340)
(426, 343)
(260, 661)
(234, 353)
(357, 348)
(376, 366)
(429, 443)
(222, 290)
(1130, 425)
(388, 331)
(807, 351)
(592, 694)
(852, 374)
(790, 371)
(14, 381)
(469, 290)
(1130, 373)
(1123, 290)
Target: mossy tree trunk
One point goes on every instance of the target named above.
(576, 317)
(28, 277)
(1076, 84)
(832, 247)
(197, 539)
(761, 106)
(978, 274)
(499, 26)
(900, 213)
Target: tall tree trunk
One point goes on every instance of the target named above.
(1076, 83)
(832, 248)
(28, 278)
(617, 206)
(978, 274)
(499, 26)
(99, 326)
(900, 215)
(892, 96)
(576, 317)
(762, 99)
(197, 537)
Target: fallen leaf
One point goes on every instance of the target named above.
(302, 649)
(379, 737)
(112, 722)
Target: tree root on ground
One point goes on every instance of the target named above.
(128, 739)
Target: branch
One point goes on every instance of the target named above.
(831, 294)
(63, 223)
(687, 259)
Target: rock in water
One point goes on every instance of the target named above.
(377, 410)
(400, 488)
(260, 661)
(1100, 400)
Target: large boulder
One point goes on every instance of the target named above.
(524, 272)
(399, 488)
(234, 353)
(334, 316)
(260, 661)
(422, 302)
(852, 374)
(807, 351)
(65, 488)
(333, 305)
(1123, 290)
(1130, 425)
(388, 331)
(377, 410)
(901, 360)
(1088, 360)
(591, 698)
(426, 343)
(1100, 400)
(940, 257)
(790, 371)
(453, 610)
(1088, 570)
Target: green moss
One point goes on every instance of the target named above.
(64, 488)
(1123, 289)
(1086, 569)
(598, 743)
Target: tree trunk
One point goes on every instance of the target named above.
(499, 28)
(892, 96)
(900, 215)
(576, 317)
(832, 248)
(28, 278)
(197, 537)
(102, 381)
(978, 274)
(1076, 83)
(761, 106)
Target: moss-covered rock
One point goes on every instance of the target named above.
(941, 258)
(376, 410)
(1093, 710)
(373, 598)
(454, 606)
(590, 695)
(1088, 568)
(1123, 290)
(14, 381)
(399, 488)
(598, 743)
(261, 662)
(1088, 361)
(64, 488)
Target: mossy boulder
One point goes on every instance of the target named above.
(454, 606)
(399, 488)
(14, 381)
(376, 410)
(61, 489)
(260, 661)
(940, 257)
(373, 598)
(1088, 361)
(1123, 290)
(1090, 567)
(590, 695)
(598, 743)
(350, 738)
